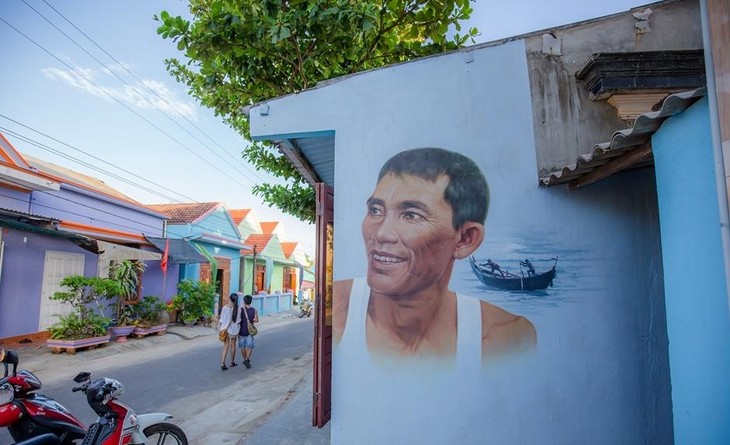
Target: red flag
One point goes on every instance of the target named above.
(163, 261)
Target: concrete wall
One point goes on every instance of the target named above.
(697, 312)
(567, 122)
(600, 372)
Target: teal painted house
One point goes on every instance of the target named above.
(210, 229)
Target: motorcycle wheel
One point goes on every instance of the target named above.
(166, 434)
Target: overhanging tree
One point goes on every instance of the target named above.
(241, 52)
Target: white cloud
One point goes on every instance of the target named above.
(144, 95)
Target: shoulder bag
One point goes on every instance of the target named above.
(251, 328)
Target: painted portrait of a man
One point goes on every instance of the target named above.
(428, 210)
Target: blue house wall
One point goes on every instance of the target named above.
(75, 204)
(22, 277)
(24, 255)
(698, 320)
(213, 233)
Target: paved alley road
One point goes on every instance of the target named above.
(184, 379)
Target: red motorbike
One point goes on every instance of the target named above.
(28, 414)
(118, 424)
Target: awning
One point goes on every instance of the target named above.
(179, 252)
(117, 252)
(629, 148)
(81, 241)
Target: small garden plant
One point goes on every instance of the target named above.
(83, 321)
(194, 300)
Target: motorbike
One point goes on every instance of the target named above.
(118, 424)
(44, 439)
(305, 308)
(28, 414)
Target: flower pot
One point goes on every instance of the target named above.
(71, 346)
(159, 329)
(120, 333)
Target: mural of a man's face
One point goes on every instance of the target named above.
(408, 233)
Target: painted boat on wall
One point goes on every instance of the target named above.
(511, 281)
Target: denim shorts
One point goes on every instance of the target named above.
(245, 342)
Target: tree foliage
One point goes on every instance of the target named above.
(241, 52)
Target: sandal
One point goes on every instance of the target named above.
(233, 364)
(223, 367)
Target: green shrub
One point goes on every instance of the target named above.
(194, 300)
(147, 311)
(82, 322)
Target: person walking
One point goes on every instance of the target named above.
(230, 321)
(245, 339)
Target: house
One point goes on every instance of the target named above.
(274, 272)
(208, 227)
(610, 173)
(57, 222)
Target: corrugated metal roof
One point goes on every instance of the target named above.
(624, 140)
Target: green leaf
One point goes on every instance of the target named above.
(242, 52)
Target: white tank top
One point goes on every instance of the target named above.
(373, 398)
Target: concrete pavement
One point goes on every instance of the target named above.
(269, 408)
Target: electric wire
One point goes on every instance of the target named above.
(67, 156)
(122, 103)
(132, 88)
(113, 223)
(141, 82)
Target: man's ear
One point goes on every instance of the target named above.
(471, 235)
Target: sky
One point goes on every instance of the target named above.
(83, 85)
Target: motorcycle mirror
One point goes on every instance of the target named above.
(6, 394)
(81, 376)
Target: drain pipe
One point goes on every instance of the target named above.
(722, 197)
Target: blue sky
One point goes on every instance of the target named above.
(146, 124)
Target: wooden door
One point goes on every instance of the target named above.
(322, 408)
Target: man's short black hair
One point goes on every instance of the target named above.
(467, 192)
(247, 299)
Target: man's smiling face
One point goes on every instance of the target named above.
(408, 234)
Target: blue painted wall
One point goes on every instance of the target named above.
(22, 278)
(695, 288)
(600, 372)
(72, 204)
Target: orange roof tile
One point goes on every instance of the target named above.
(288, 248)
(269, 226)
(239, 214)
(258, 240)
(184, 213)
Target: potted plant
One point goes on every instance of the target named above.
(83, 326)
(126, 274)
(147, 317)
(194, 301)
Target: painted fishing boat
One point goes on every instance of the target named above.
(509, 281)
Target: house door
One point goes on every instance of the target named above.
(322, 408)
(56, 267)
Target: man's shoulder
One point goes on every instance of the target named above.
(504, 332)
(341, 290)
